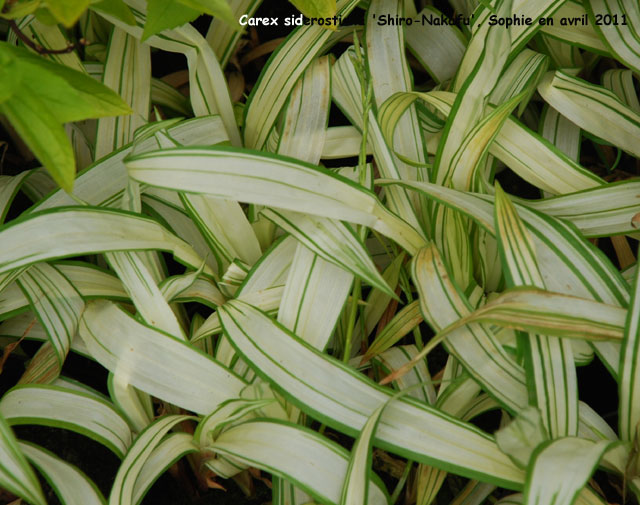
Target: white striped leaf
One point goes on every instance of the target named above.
(333, 241)
(279, 76)
(562, 54)
(475, 346)
(74, 385)
(313, 297)
(629, 273)
(521, 75)
(342, 142)
(522, 435)
(355, 490)
(224, 227)
(483, 403)
(468, 132)
(43, 368)
(123, 491)
(155, 362)
(233, 277)
(71, 231)
(629, 406)
(9, 187)
(222, 36)
(581, 35)
(396, 357)
(389, 73)
(310, 461)
(230, 414)
(439, 49)
(401, 324)
(16, 476)
(172, 287)
(266, 299)
(286, 493)
(337, 395)
(539, 163)
(316, 289)
(63, 408)
(559, 469)
(209, 92)
(190, 287)
(144, 292)
(165, 95)
(377, 302)
(559, 257)
(56, 303)
(271, 271)
(166, 453)
(477, 142)
(618, 28)
(27, 324)
(561, 132)
(127, 71)
(231, 173)
(346, 91)
(171, 213)
(136, 406)
(520, 33)
(13, 299)
(488, 47)
(549, 359)
(71, 485)
(457, 388)
(533, 309)
(593, 108)
(104, 182)
(89, 280)
(305, 122)
(621, 83)
(92, 281)
(215, 218)
(593, 427)
(601, 211)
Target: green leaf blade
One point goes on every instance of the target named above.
(559, 470)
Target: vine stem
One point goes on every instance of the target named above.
(40, 49)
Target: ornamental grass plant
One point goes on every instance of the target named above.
(377, 252)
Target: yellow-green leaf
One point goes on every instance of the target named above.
(67, 12)
(317, 8)
(166, 14)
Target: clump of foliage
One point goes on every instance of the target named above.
(260, 280)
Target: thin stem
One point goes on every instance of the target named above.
(401, 482)
(40, 49)
(366, 90)
(355, 296)
(406, 287)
